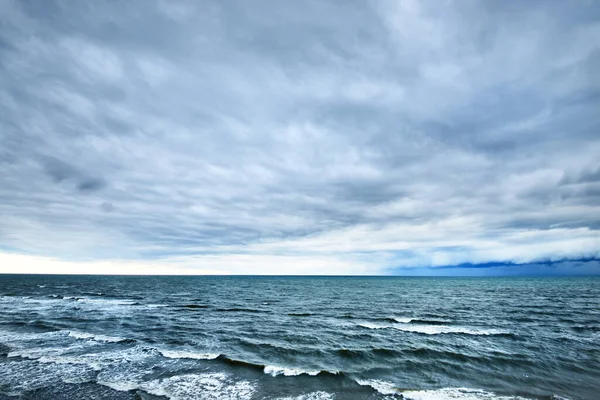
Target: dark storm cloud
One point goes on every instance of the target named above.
(257, 127)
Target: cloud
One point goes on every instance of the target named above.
(329, 138)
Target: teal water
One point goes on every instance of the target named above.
(76, 337)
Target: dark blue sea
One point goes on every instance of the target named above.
(305, 338)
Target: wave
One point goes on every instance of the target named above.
(93, 294)
(188, 354)
(403, 320)
(269, 346)
(116, 302)
(580, 328)
(455, 394)
(365, 353)
(429, 321)
(155, 305)
(36, 324)
(390, 389)
(32, 354)
(276, 370)
(383, 387)
(445, 329)
(208, 386)
(370, 325)
(436, 329)
(4, 350)
(194, 306)
(98, 338)
(125, 386)
(320, 395)
(306, 314)
(411, 320)
(239, 309)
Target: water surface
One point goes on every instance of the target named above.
(73, 337)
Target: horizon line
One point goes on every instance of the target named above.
(305, 276)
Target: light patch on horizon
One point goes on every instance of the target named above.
(267, 137)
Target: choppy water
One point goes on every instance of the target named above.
(66, 337)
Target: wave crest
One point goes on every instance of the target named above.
(188, 354)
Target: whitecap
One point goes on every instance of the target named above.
(320, 395)
(275, 371)
(97, 338)
(370, 325)
(31, 354)
(115, 302)
(155, 305)
(455, 394)
(188, 354)
(382, 387)
(442, 329)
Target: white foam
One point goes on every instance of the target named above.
(383, 387)
(188, 354)
(442, 329)
(26, 344)
(97, 338)
(403, 320)
(124, 370)
(370, 325)
(61, 352)
(207, 386)
(70, 360)
(275, 371)
(155, 305)
(455, 394)
(19, 376)
(31, 354)
(320, 395)
(115, 302)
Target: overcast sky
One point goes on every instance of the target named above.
(280, 137)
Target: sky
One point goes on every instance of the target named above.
(314, 137)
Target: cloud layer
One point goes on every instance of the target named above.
(274, 137)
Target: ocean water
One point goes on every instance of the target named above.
(309, 338)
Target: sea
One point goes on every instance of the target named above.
(303, 338)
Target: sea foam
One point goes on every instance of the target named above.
(207, 386)
(97, 338)
(389, 389)
(320, 395)
(455, 394)
(382, 387)
(188, 354)
(443, 329)
(275, 371)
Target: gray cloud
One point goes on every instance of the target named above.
(179, 128)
